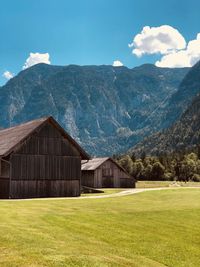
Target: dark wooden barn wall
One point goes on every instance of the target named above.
(87, 178)
(4, 179)
(33, 167)
(127, 183)
(4, 187)
(47, 165)
(44, 188)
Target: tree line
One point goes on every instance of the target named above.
(180, 166)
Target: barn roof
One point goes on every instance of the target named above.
(93, 164)
(11, 138)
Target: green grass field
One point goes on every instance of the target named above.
(154, 184)
(150, 229)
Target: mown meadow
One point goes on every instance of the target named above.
(150, 229)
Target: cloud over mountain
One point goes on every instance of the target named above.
(183, 58)
(35, 58)
(8, 75)
(117, 63)
(164, 40)
(169, 43)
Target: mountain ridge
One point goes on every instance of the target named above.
(105, 108)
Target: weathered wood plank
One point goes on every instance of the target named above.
(44, 188)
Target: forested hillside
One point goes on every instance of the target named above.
(185, 133)
(178, 166)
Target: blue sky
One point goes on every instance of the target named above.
(87, 32)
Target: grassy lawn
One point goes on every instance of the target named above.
(151, 229)
(154, 184)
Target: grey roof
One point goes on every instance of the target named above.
(92, 164)
(10, 138)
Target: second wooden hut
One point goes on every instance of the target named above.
(105, 173)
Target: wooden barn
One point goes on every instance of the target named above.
(39, 159)
(105, 173)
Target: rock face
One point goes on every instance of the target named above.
(185, 132)
(107, 109)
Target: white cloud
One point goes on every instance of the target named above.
(35, 58)
(8, 75)
(182, 58)
(117, 63)
(164, 40)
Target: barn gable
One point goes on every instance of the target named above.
(27, 136)
(47, 139)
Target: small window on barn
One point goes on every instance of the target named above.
(5, 169)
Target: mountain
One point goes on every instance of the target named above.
(185, 133)
(107, 109)
(173, 106)
(188, 89)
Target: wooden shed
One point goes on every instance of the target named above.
(105, 173)
(39, 159)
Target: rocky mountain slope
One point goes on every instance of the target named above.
(107, 109)
(185, 132)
